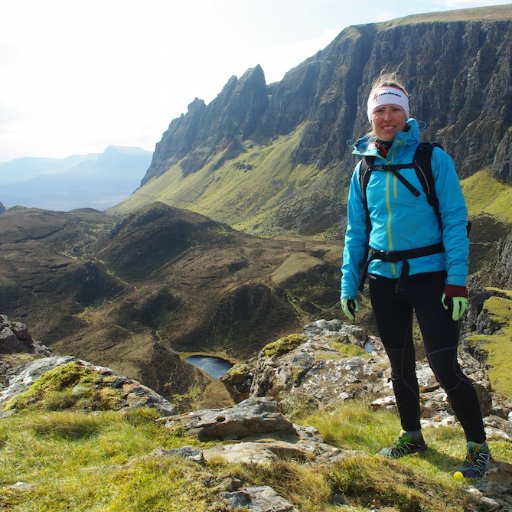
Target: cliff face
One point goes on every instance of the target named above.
(276, 159)
(458, 72)
(204, 130)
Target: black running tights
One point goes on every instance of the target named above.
(393, 313)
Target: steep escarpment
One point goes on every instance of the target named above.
(204, 131)
(217, 157)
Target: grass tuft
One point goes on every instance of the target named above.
(66, 426)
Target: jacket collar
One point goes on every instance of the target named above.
(365, 146)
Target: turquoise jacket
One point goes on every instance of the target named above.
(402, 221)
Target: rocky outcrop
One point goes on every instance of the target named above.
(260, 434)
(297, 367)
(83, 380)
(16, 345)
(502, 166)
(319, 368)
(249, 417)
(15, 338)
(503, 270)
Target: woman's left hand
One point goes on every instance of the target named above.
(458, 305)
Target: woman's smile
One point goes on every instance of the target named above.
(387, 121)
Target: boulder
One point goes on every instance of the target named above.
(254, 415)
(15, 338)
(329, 362)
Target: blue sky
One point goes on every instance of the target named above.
(78, 75)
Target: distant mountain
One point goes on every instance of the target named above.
(276, 158)
(84, 181)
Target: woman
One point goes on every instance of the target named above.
(406, 275)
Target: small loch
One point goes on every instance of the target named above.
(214, 366)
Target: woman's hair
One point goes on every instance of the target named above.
(389, 79)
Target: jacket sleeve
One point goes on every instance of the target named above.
(454, 217)
(355, 239)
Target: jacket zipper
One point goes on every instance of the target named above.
(388, 205)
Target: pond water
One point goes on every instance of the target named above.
(215, 366)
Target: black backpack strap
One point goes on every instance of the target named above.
(365, 170)
(423, 168)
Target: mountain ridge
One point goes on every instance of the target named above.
(453, 67)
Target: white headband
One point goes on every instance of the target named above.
(387, 95)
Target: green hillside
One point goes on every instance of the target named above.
(486, 195)
(245, 192)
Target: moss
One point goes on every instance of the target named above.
(283, 345)
(238, 373)
(71, 385)
(499, 309)
(344, 349)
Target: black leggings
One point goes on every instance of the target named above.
(393, 313)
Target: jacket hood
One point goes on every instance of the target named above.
(411, 135)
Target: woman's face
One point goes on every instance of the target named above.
(387, 121)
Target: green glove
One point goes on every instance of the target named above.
(350, 307)
(458, 305)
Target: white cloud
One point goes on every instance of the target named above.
(77, 76)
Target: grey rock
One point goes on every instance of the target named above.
(185, 452)
(314, 371)
(135, 394)
(16, 338)
(231, 484)
(254, 415)
(259, 499)
(500, 424)
(29, 374)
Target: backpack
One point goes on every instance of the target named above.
(421, 164)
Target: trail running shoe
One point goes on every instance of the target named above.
(405, 445)
(477, 461)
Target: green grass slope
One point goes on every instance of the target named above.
(491, 13)
(486, 195)
(243, 192)
(498, 346)
(72, 460)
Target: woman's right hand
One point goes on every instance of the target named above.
(350, 307)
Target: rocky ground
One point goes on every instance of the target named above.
(326, 364)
